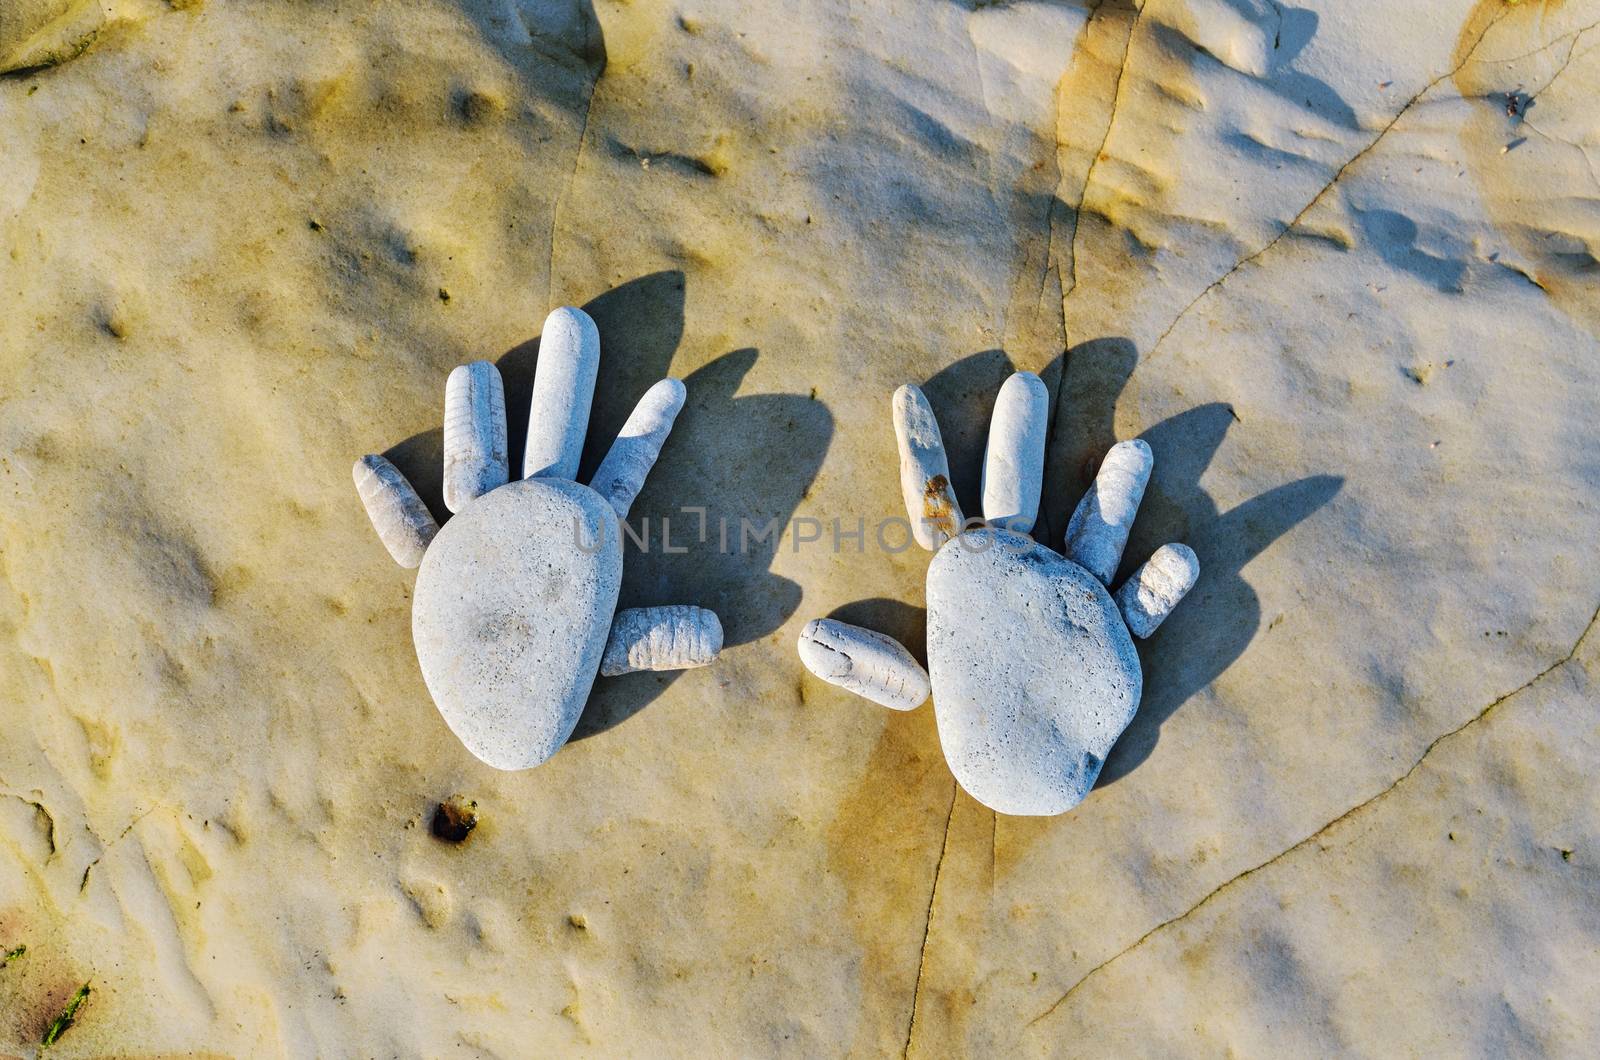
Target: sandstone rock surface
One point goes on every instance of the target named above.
(1293, 248)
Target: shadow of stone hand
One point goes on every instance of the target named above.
(1223, 614)
(1032, 724)
(739, 466)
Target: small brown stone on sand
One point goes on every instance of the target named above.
(454, 819)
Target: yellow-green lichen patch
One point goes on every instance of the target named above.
(62, 1023)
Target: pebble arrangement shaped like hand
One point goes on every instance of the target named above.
(514, 612)
(1031, 662)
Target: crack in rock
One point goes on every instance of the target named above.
(566, 190)
(927, 927)
(49, 820)
(1077, 213)
(1329, 186)
(105, 848)
(1094, 160)
(1318, 833)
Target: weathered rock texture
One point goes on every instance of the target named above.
(673, 637)
(398, 514)
(1013, 456)
(244, 243)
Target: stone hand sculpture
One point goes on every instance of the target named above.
(1031, 660)
(513, 611)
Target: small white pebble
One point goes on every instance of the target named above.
(1098, 530)
(924, 471)
(1150, 594)
(1013, 460)
(404, 524)
(676, 637)
(474, 433)
(868, 663)
(563, 391)
(622, 473)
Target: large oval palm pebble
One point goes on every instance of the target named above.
(1036, 673)
(513, 604)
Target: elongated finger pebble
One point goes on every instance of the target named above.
(404, 524)
(1013, 461)
(675, 637)
(924, 471)
(1098, 530)
(622, 473)
(475, 460)
(1152, 591)
(563, 391)
(870, 664)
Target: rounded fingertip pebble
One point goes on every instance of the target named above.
(563, 391)
(621, 474)
(666, 396)
(1013, 461)
(1098, 530)
(475, 458)
(866, 662)
(1152, 591)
